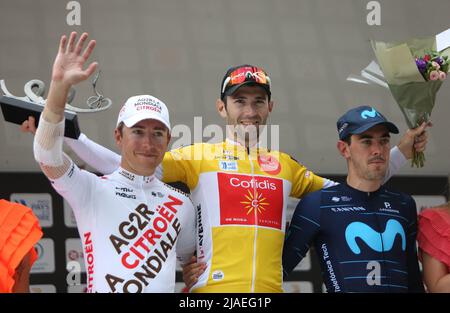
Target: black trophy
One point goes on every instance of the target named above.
(17, 109)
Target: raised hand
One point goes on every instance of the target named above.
(67, 71)
(68, 65)
(414, 139)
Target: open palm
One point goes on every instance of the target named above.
(68, 66)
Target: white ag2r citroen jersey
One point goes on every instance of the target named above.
(131, 228)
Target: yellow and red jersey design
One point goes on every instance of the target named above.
(241, 195)
(241, 198)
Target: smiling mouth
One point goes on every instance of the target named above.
(245, 123)
(147, 155)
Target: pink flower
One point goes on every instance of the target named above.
(442, 75)
(435, 65)
(434, 75)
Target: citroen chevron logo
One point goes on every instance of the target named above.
(376, 241)
(366, 113)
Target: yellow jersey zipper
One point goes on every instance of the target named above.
(255, 193)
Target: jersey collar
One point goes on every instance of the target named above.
(258, 146)
(128, 177)
(364, 193)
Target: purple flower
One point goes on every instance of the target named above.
(439, 60)
(421, 64)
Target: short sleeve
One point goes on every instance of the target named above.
(434, 234)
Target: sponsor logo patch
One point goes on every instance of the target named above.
(217, 275)
(250, 200)
(269, 164)
(228, 165)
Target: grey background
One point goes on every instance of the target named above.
(179, 50)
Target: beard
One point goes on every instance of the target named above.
(246, 133)
(369, 171)
(375, 174)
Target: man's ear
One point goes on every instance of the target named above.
(343, 149)
(221, 108)
(118, 138)
(270, 106)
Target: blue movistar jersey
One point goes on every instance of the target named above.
(365, 241)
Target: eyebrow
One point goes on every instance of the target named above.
(154, 128)
(244, 97)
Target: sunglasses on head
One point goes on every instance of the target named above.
(245, 74)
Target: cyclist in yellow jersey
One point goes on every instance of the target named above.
(240, 189)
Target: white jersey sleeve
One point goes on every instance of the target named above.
(77, 187)
(186, 242)
(101, 159)
(396, 161)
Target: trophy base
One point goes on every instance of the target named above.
(17, 111)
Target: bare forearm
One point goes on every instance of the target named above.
(22, 276)
(22, 284)
(56, 102)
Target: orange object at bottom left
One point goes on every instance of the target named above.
(19, 232)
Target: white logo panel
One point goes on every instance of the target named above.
(40, 203)
(46, 257)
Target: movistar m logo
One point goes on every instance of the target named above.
(376, 241)
(366, 113)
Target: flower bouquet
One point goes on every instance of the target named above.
(414, 72)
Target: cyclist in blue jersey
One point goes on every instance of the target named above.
(364, 234)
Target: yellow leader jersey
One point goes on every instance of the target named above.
(241, 196)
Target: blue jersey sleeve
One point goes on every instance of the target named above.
(415, 283)
(303, 228)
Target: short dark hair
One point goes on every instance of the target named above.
(120, 128)
(347, 140)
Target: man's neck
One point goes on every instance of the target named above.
(244, 143)
(129, 168)
(363, 184)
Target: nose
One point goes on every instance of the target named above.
(377, 148)
(249, 111)
(148, 141)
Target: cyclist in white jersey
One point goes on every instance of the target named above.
(132, 226)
